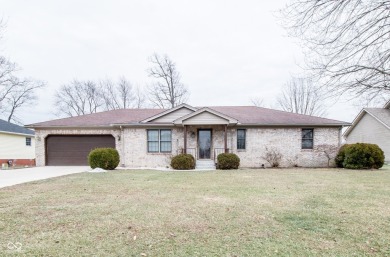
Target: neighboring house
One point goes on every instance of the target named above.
(149, 137)
(17, 144)
(372, 125)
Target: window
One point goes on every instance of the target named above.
(165, 141)
(153, 141)
(241, 137)
(28, 141)
(307, 138)
(159, 140)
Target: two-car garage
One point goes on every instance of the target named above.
(64, 150)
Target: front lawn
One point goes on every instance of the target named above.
(293, 212)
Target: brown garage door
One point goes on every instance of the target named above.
(74, 150)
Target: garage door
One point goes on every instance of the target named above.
(74, 150)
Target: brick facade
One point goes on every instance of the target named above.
(41, 135)
(288, 142)
(131, 144)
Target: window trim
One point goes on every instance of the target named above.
(241, 139)
(159, 141)
(28, 141)
(312, 139)
(148, 140)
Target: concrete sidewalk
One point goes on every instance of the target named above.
(19, 176)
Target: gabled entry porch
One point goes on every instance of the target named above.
(205, 142)
(205, 133)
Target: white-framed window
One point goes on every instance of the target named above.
(159, 140)
(28, 141)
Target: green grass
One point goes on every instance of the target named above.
(272, 212)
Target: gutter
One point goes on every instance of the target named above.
(17, 134)
(119, 125)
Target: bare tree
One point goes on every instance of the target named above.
(2, 26)
(140, 99)
(7, 79)
(85, 97)
(347, 42)
(78, 98)
(273, 156)
(117, 95)
(167, 91)
(257, 101)
(22, 95)
(302, 96)
(329, 151)
(15, 93)
(371, 101)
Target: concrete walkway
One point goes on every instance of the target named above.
(19, 176)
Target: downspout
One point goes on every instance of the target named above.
(340, 135)
(185, 139)
(341, 128)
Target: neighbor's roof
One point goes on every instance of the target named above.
(11, 128)
(248, 115)
(382, 115)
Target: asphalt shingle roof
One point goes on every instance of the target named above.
(244, 114)
(6, 126)
(121, 116)
(259, 115)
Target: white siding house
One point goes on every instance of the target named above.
(17, 144)
(372, 125)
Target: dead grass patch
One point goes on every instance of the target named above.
(293, 212)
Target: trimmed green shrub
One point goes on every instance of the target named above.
(360, 156)
(340, 156)
(228, 161)
(183, 162)
(104, 158)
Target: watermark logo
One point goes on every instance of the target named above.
(17, 246)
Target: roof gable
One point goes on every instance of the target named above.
(170, 115)
(379, 114)
(205, 116)
(11, 128)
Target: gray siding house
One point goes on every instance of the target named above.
(150, 137)
(372, 125)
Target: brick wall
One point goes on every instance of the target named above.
(19, 162)
(132, 145)
(288, 142)
(41, 134)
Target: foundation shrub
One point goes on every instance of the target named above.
(183, 162)
(228, 161)
(360, 156)
(104, 158)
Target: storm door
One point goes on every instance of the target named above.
(204, 143)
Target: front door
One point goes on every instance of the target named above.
(204, 143)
